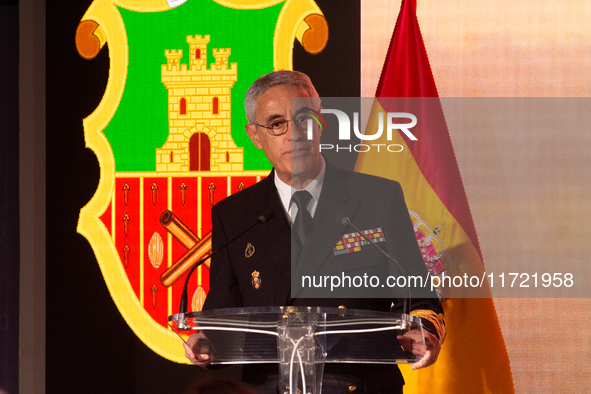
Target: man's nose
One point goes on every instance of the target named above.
(295, 132)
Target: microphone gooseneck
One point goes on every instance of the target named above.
(407, 300)
(265, 217)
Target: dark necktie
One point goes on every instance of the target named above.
(302, 224)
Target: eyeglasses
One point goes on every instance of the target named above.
(278, 127)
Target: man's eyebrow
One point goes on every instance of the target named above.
(273, 117)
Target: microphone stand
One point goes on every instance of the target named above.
(406, 301)
(265, 217)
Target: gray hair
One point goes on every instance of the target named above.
(268, 81)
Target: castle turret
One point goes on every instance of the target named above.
(198, 51)
(221, 56)
(173, 58)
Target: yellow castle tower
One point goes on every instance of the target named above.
(199, 108)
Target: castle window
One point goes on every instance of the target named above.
(183, 106)
(171, 157)
(216, 106)
(197, 53)
(227, 157)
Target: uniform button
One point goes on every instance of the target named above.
(352, 388)
(344, 307)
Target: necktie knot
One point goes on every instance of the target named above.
(302, 199)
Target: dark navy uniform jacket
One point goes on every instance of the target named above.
(369, 202)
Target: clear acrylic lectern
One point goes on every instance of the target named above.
(302, 339)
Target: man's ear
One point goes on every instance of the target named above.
(251, 130)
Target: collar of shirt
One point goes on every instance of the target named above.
(286, 191)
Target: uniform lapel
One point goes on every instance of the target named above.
(279, 243)
(272, 242)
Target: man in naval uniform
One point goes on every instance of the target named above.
(310, 195)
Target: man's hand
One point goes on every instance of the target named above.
(197, 350)
(412, 342)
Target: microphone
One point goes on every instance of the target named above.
(406, 301)
(265, 217)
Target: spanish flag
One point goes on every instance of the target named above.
(473, 357)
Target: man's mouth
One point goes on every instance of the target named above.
(299, 152)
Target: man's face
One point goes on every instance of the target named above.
(296, 159)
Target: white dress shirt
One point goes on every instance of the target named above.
(286, 191)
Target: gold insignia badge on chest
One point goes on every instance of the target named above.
(249, 252)
(256, 279)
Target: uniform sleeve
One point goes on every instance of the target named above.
(403, 247)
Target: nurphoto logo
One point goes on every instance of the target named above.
(402, 121)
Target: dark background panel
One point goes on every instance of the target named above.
(9, 194)
(336, 71)
(90, 348)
